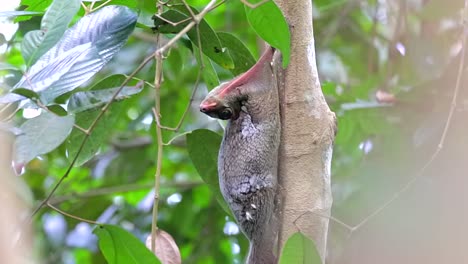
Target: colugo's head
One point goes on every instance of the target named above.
(225, 101)
(220, 104)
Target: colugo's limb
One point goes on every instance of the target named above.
(248, 157)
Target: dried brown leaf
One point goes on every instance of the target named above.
(385, 97)
(166, 250)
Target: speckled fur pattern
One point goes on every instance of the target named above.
(247, 164)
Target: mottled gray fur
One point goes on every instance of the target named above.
(248, 158)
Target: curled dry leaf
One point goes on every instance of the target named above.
(385, 97)
(166, 250)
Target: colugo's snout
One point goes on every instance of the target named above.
(218, 110)
(206, 107)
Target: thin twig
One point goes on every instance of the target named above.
(174, 24)
(442, 138)
(253, 6)
(187, 28)
(197, 81)
(45, 108)
(186, 19)
(5, 107)
(85, 8)
(192, 15)
(181, 120)
(103, 4)
(156, 111)
(91, 5)
(121, 189)
(157, 175)
(73, 216)
(168, 143)
(329, 217)
(162, 3)
(11, 115)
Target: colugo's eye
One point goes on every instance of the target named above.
(225, 114)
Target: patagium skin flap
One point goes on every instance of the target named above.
(248, 157)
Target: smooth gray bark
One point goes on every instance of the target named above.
(308, 132)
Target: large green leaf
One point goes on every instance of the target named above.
(243, 59)
(102, 92)
(300, 249)
(210, 43)
(203, 147)
(41, 135)
(208, 72)
(98, 136)
(83, 50)
(269, 23)
(121, 247)
(36, 5)
(53, 25)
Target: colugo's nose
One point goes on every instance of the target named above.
(207, 106)
(203, 109)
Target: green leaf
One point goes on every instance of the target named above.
(121, 247)
(81, 53)
(98, 136)
(208, 72)
(243, 59)
(41, 134)
(269, 23)
(300, 249)
(203, 147)
(53, 25)
(210, 43)
(175, 61)
(57, 109)
(6, 66)
(102, 92)
(36, 5)
(143, 26)
(19, 13)
(33, 6)
(26, 93)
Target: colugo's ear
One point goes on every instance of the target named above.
(223, 102)
(257, 72)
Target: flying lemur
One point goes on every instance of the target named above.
(248, 156)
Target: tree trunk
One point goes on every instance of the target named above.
(15, 242)
(308, 131)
